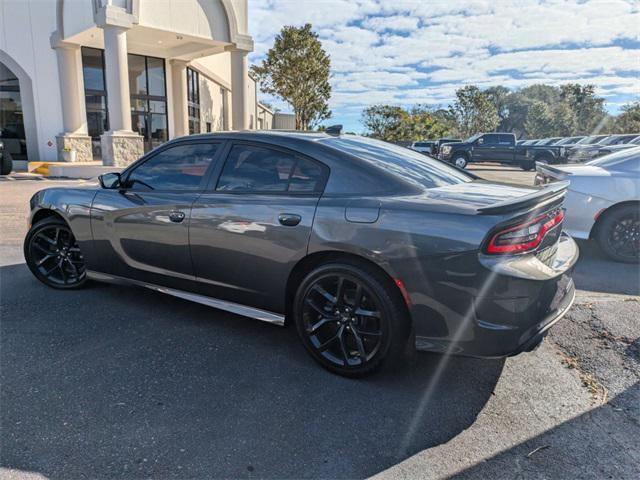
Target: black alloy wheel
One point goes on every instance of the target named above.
(53, 255)
(349, 318)
(619, 234)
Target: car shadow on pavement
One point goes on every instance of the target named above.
(596, 273)
(123, 382)
(595, 445)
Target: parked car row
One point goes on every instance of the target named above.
(503, 148)
(584, 148)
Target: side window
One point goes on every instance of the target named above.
(177, 168)
(251, 168)
(506, 140)
(308, 176)
(490, 139)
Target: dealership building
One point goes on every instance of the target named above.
(84, 80)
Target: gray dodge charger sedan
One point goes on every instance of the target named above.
(364, 246)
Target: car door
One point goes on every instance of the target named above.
(249, 228)
(141, 229)
(485, 148)
(506, 149)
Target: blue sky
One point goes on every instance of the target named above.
(409, 52)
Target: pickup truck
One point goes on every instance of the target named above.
(500, 148)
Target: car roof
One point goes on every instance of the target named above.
(270, 135)
(355, 173)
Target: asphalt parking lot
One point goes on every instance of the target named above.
(117, 382)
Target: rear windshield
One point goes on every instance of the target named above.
(407, 164)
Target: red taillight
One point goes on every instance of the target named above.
(525, 236)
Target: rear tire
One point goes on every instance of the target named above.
(350, 318)
(528, 166)
(618, 234)
(53, 255)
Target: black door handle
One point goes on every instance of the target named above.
(176, 216)
(289, 219)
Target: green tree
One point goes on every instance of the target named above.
(539, 122)
(395, 124)
(473, 111)
(384, 121)
(588, 110)
(628, 121)
(500, 97)
(420, 124)
(296, 69)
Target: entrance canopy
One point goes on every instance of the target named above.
(176, 29)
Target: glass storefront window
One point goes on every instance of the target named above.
(93, 69)
(95, 96)
(11, 117)
(137, 75)
(155, 73)
(147, 84)
(193, 100)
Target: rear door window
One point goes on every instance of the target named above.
(257, 169)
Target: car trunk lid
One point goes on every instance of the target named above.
(488, 198)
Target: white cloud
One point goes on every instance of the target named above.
(398, 23)
(407, 52)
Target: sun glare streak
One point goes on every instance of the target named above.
(442, 363)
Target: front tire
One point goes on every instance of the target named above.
(53, 255)
(618, 234)
(350, 318)
(460, 161)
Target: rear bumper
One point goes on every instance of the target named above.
(510, 312)
(548, 322)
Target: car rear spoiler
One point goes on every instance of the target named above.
(549, 194)
(545, 168)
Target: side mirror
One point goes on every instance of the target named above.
(110, 181)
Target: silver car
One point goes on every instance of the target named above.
(603, 201)
(589, 151)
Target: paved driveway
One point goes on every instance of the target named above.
(121, 382)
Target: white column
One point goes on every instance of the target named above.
(179, 100)
(239, 90)
(73, 144)
(74, 117)
(117, 75)
(120, 145)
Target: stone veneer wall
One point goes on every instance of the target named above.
(121, 150)
(80, 143)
